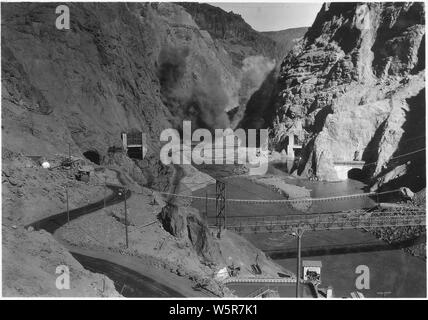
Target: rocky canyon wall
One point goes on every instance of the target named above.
(120, 67)
(354, 87)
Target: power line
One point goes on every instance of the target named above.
(400, 156)
(262, 201)
(242, 188)
(400, 141)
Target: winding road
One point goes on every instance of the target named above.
(54, 222)
(127, 281)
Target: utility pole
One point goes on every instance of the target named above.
(298, 233)
(206, 206)
(126, 219)
(104, 284)
(68, 211)
(69, 170)
(123, 191)
(105, 191)
(225, 197)
(123, 288)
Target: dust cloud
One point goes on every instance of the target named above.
(204, 99)
(254, 69)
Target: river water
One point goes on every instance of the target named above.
(392, 272)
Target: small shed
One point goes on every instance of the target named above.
(311, 270)
(84, 173)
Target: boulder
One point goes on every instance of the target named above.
(406, 193)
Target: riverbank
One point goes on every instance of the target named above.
(289, 191)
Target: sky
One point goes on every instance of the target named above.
(273, 16)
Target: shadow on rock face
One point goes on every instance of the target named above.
(356, 174)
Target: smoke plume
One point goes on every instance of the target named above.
(199, 98)
(255, 69)
(210, 99)
(202, 98)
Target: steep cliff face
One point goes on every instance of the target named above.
(230, 29)
(356, 83)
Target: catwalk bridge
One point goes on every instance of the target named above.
(316, 222)
(399, 216)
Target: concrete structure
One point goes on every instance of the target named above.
(311, 270)
(343, 167)
(134, 144)
(329, 292)
(293, 145)
(84, 173)
(259, 280)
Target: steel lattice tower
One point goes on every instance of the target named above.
(220, 205)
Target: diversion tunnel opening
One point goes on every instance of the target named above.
(92, 156)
